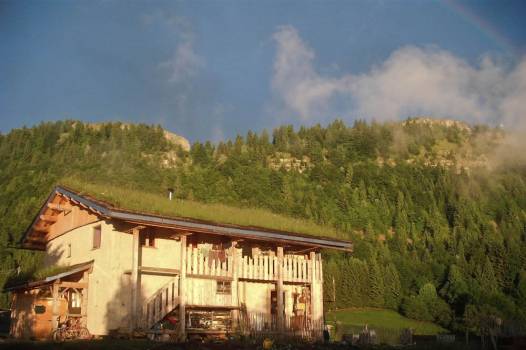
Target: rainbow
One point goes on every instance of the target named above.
(483, 25)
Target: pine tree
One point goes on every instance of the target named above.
(376, 285)
(455, 289)
(392, 287)
(487, 278)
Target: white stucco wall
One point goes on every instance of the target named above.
(109, 292)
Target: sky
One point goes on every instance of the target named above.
(209, 70)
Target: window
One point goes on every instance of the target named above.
(96, 237)
(74, 302)
(68, 251)
(223, 287)
(40, 309)
(148, 239)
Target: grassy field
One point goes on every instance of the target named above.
(387, 323)
(111, 344)
(140, 201)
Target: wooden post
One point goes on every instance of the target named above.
(234, 289)
(321, 313)
(182, 292)
(313, 287)
(84, 305)
(55, 307)
(135, 279)
(279, 291)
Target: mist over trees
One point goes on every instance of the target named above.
(439, 231)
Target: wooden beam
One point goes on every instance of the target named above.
(306, 250)
(135, 279)
(55, 307)
(78, 285)
(84, 305)
(216, 307)
(279, 291)
(59, 207)
(132, 229)
(182, 291)
(44, 229)
(313, 286)
(210, 277)
(235, 284)
(158, 271)
(48, 218)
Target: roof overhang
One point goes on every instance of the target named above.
(48, 280)
(105, 210)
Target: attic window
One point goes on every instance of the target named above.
(96, 237)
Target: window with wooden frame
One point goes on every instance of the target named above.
(74, 302)
(96, 237)
(224, 287)
(148, 239)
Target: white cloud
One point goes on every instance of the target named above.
(184, 64)
(411, 81)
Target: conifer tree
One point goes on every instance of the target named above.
(392, 287)
(376, 285)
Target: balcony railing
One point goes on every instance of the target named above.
(296, 268)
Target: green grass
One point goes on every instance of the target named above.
(140, 344)
(34, 275)
(140, 201)
(49, 271)
(387, 323)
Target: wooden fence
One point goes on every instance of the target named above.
(259, 325)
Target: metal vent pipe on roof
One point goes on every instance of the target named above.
(170, 193)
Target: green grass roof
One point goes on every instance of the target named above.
(158, 204)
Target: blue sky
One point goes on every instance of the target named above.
(212, 69)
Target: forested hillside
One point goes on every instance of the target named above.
(437, 218)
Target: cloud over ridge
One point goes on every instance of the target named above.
(411, 81)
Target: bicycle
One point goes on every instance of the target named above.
(70, 329)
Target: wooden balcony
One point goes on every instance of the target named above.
(296, 268)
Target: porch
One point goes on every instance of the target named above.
(211, 280)
(38, 307)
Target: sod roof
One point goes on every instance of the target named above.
(155, 208)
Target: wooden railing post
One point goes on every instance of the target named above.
(279, 291)
(182, 292)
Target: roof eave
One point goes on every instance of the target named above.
(30, 285)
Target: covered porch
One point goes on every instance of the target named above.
(39, 307)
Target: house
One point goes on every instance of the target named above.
(127, 270)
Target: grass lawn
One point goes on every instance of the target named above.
(381, 320)
(111, 344)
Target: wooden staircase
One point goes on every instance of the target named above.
(161, 303)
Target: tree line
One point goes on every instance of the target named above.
(435, 242)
